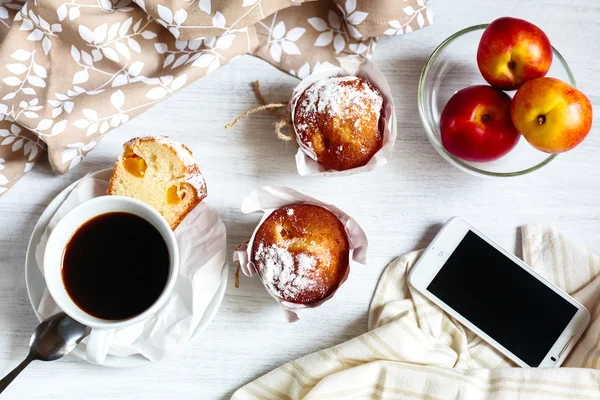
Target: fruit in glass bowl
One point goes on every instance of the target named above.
(476, 126)
(513, 51)
(453, 66)
(553, 116)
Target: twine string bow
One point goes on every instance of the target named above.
(284, 120)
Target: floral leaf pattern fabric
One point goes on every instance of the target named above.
(72, 71)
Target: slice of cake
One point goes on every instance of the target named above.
(159, 172)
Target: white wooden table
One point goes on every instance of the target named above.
(401, 207)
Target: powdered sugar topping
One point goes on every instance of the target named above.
(328, 95)
(305, 263)
(288, 275)
(197, 181)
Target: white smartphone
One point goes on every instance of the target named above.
(498, 297)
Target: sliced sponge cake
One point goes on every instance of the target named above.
(161, 173)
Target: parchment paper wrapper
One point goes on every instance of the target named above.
(201, 238)
(271, 198)
(306, 158)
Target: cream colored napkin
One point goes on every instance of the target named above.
(414, 350)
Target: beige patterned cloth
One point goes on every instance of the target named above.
(415, 351)
(73, 70)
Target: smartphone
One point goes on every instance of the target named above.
(498, 297)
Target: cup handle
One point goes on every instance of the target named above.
(98, 344)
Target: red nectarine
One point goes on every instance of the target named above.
(513, 51)
(475, 124)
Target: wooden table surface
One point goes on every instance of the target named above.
(400, 206)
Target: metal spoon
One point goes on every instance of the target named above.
(53, 339)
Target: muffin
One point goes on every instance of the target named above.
(338, 118)
(161, 173)
(301, 253)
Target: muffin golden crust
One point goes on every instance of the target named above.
(301, 252)
(162, 173)
(338, 118)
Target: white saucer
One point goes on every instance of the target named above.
(36, 284)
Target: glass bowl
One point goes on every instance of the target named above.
(452, 67)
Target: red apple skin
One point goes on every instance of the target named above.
(552, 115)
(476, 126)
(513, 51)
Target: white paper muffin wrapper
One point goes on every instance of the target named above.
(201, 238)
(306, 158)
(271, 198)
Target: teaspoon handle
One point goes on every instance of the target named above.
(13, 374)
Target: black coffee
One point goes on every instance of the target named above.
(115, 266)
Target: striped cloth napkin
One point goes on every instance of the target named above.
(413, 350)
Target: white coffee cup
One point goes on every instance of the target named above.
(102, 330)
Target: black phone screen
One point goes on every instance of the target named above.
(502, 299)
